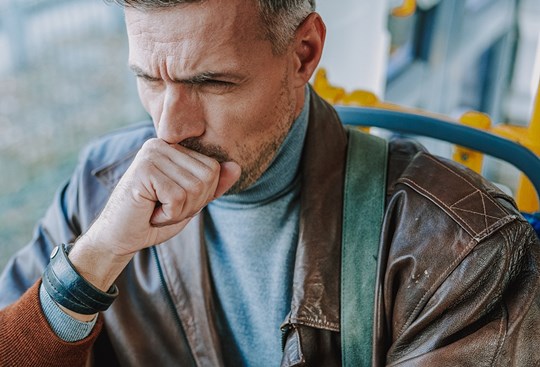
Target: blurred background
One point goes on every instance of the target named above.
(63, 82)
(64, 79)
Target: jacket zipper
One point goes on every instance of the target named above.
(170, 300)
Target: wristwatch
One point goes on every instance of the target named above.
(68, 288)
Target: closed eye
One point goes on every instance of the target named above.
(220, 83)
(205, 81)
(211, 85)
(148, 78)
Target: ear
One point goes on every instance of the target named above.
(308, 45)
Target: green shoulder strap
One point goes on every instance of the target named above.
(363, 211)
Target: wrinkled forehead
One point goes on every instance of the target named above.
(210, 21)
(184, 40)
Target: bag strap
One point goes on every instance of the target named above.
(363, 211)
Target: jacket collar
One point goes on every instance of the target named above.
(316, 290)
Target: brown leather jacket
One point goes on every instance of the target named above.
(457, 282)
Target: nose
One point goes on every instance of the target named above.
(181, 115)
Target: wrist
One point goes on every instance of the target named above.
(96, 263)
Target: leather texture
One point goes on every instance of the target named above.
(457, 280)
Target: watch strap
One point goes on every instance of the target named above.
(68, 288)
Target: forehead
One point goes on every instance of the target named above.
(187, 29)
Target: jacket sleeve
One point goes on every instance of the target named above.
(27, 340)
(484, 312)
(459, 284)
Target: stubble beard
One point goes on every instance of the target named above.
(264, 154)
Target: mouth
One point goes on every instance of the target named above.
(209, 150)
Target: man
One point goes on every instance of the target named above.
(252, 277)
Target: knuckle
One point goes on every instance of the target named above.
(214, 166)
(211, 171)
(198, 187)
(136, 192)
(150, 152)
(179, 199)
(152, 145)
(173, 214)
(174, 211)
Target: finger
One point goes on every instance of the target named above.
(197, 174)
(204, 168)
(154, 149)
(199, 189)
(170, 198)
(207, 160)
(229, 174)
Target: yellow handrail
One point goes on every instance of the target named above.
(406, 9)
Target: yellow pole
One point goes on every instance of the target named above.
(526, 196)
(406, 9)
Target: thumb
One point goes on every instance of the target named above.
(229, 174)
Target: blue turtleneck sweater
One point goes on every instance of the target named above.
(251, 239)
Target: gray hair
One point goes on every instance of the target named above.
(280, 18)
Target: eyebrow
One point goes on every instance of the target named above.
(140, 72)
(195, 79)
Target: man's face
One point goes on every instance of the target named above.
(210, 81)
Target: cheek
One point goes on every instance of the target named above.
(253, 111)
(248, 127)
(224, 113)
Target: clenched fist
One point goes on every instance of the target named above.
(165, 186)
